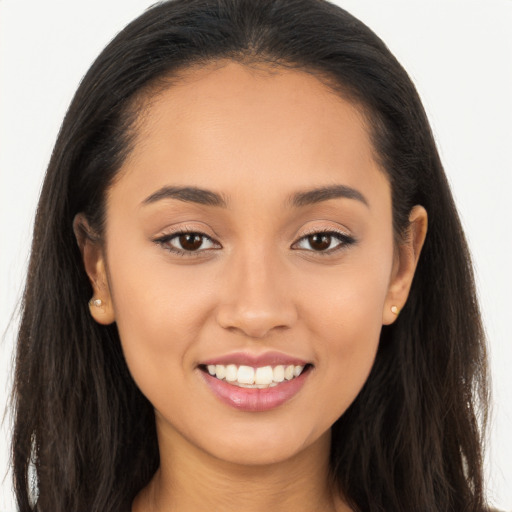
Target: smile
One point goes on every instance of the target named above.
(256, 388)
(254, 378)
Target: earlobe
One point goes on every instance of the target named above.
(93, 258)
(406, 261)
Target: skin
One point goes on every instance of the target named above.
(255, 136)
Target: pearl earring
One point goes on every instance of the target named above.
(96, 302)
(395, 310)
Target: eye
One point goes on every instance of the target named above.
(324, 242)
(187, 242)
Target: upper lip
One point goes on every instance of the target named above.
(256, 360)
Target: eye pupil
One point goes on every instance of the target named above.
(319, 241)
(191, 241)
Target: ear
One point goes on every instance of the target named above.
(404, 267)
(93, 258)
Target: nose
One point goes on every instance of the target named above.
(257, 296)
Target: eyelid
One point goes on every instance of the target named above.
(165, 237)
(344, 238)
(325, 229)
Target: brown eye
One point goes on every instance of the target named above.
(320, 241)
(325, 242)
(187, 242)
(190, 241)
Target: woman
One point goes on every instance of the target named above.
(233, 301)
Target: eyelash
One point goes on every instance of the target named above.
(343, 239)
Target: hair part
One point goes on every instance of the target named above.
(412, 438)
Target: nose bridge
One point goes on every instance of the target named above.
(256, 297)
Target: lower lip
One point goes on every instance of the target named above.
(255, 400)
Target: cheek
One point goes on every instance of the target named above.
(159, 312)
(352, 350)
(347, 301)
(345, 315)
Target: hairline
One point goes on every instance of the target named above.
(139, 106)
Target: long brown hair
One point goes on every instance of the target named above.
(84, 435)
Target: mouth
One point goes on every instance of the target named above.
(255, 388)
(261, 377)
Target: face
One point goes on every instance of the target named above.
(249, 240)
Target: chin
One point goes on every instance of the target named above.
(260, 447)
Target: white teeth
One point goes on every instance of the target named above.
(278, 374)
(231, 373)
(288, 372)
(249, 377)
(264, 375)
(220, 371)
(245, 375)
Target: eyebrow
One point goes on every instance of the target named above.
(318, 195)
(210, 198)
(187, 194)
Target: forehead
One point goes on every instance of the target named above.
(227, 124)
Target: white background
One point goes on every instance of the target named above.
(459, 54)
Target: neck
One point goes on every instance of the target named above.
(190, 480)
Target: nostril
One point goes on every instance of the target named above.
(256, 307)
(254, 324)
